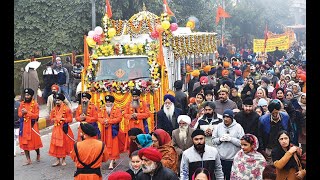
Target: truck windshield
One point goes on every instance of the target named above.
(122, 69)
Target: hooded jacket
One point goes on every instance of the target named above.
(228, 149)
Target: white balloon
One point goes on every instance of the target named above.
(98, 30)
(91, 33)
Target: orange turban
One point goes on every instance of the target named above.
(225, 72)
(188, 68)
(55, 86)
(207, 68)
(195, 73)
(226, 64)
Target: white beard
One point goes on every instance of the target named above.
(135, 104)
(169, 112)
(108, 109)
(183, 133)
(148, 169)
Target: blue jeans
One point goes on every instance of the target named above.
(65, 90)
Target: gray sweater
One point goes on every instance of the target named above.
(227, 150)
(191, 160)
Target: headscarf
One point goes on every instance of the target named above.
(144, 140)
(248, 165)
(303, 106)
(162, 136)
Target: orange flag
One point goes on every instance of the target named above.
(108, 9)
(160, 53)
(169, 12)
(85, 53)
(221, 13)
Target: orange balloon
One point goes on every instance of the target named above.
(159, 28)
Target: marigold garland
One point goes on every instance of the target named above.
(26, 119)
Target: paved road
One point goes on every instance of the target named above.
(44, 171)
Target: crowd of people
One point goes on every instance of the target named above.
(243, 118)
(65, 75)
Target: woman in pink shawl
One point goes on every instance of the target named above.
(248, 162)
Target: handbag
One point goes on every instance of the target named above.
(299, 164)
(298, 161)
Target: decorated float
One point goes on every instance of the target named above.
(147, 52)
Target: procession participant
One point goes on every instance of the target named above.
(224, 102)
(132, 133)
(152, 168)
(62, 138)
(88, 112)
(209, 121)
(163, 142)
(248, 163)
(16, 124)
(181, 137)
(52, 100)
(135, 165)
(137, 112)
(110, 117)
(167, 116)
(200, 155)
(89, 154)
(227, 138)
(120, 175)
(29, 136)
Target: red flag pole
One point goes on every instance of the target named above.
(265, 38)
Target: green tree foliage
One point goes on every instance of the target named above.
(42, 27)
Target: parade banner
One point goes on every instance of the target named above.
(282, 42)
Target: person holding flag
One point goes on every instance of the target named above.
(62, 138)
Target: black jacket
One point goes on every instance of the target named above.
(164, 123)
(161, 173)
(182, 99)
(133, 176)
(249, 122)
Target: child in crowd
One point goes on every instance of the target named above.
(135, 165)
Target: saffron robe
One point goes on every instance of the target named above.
(61, 144)
(109, 132)
(88, 151)
(28, 139)
(91, 116)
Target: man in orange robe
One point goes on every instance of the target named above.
(62, 138)
(89, 154)
(87, 112)
(110, 117)
(29, 136)
(137, 112)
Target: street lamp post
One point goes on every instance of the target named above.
(93, 11)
